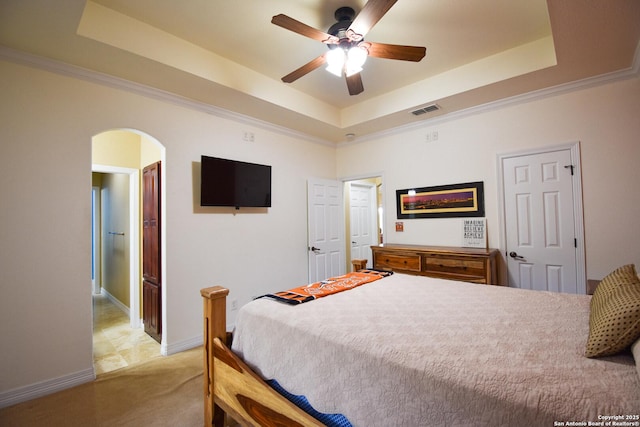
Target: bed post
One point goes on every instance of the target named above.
(215, 326)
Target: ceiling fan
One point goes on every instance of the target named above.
(347, 48)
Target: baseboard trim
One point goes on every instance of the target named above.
(137, 323)
(43, 388)
(187, 344)
(115, 301)
(167, 350)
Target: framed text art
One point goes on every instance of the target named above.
(474, 233)
(443, 201)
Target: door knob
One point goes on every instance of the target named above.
(515, 255)
(314, 249)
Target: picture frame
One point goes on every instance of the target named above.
(442, 201)
(474, 233)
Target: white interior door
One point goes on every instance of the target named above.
(362, 220)
(325, 210)
(540, 221)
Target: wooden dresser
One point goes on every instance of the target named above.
(466, 264)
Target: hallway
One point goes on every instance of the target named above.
(115, 344)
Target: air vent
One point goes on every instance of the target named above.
(425, 110)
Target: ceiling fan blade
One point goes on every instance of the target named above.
(394, 51)
(370, 14)
(305, 69)
(354, 84)
(303, 29)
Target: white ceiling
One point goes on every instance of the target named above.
(228, 54)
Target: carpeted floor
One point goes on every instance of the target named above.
(165, 391)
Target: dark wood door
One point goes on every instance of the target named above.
(151, 309)
(151, 266)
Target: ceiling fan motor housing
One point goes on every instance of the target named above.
(344, 13)
(344, 16)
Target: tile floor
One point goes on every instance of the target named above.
(115, 344)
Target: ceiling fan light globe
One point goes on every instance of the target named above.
(336, 71)
(336, 56)
(335, 61)
(356, 57)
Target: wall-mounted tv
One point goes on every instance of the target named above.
(226, 182)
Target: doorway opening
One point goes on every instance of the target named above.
(364, 217)
(344, 219)
(118, 157)
(116, 234)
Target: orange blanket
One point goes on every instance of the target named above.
(329, 286)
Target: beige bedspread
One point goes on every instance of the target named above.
(416, 351)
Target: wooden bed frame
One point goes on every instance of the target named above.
(230, 386)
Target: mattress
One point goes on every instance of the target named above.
(417, 351)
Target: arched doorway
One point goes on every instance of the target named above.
(118, 158)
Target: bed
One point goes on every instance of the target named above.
(418, 351)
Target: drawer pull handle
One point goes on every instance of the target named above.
(464, 267)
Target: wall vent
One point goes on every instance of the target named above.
(425, 110)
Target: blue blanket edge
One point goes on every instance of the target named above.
(329, 420)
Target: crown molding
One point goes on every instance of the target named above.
(628, 73)
(65, 69)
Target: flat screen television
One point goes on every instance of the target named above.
(226, 182)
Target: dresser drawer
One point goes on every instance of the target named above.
(467, 264)
(400, 261)
(463, 266)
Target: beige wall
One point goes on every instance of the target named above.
(150, 152)
(604, 119)
(47, 122)
(120, 148)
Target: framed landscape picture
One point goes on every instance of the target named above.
(443, 201)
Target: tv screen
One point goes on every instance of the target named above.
(226, 182)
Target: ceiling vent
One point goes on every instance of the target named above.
(425, 110)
